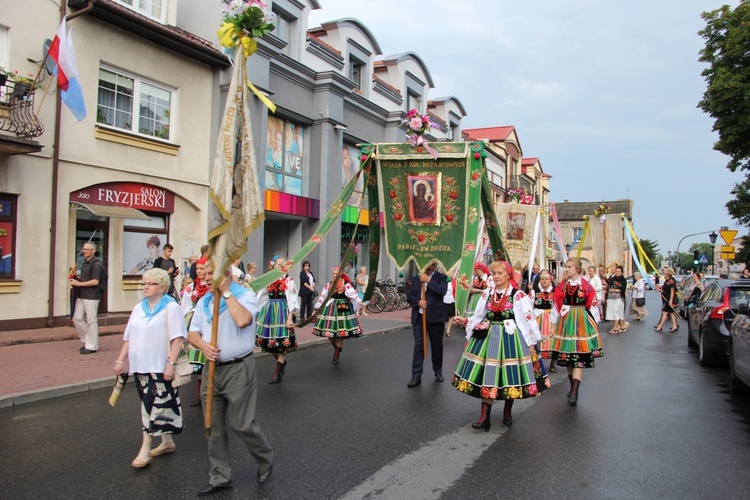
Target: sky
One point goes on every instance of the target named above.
(603, 92)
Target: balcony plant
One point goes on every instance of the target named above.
(22, 84)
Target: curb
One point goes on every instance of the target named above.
(13, 400)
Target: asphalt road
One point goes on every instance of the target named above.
(650, 423)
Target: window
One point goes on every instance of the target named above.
(356, 68)
(284, 156)
(7, 236)
(284, 26)
(577, 232)
(349, 168)
(155, 9)
(142, 242)
(133, 104)
(413, 101)
(3, 47)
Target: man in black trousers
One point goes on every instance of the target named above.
(435, 285)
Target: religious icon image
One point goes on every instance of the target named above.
(423, 199)
(516, 225)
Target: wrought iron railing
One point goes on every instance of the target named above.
(17, 110)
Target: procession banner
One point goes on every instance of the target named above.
(428, 202)
(236, 207)
(517, 221)
(607, 240)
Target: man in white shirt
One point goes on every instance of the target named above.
(235, 388)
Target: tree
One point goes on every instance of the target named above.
(727, 96)
(652, 251)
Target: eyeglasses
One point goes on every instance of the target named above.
(150, 284)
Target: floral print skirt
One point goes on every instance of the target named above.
(271, 333)
(160, 404)
(547, 329)
(499, 366)
(576, 343)
(337, 320)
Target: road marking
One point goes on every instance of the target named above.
(434, 468)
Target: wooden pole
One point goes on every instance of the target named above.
(424, 322)
(208, 415)
(604, 243)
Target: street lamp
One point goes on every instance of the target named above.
(712, 236)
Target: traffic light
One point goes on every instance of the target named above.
(695, 257)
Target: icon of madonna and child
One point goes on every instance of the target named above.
(424, 199)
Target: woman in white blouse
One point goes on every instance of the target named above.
(152, 343)
(639, 295)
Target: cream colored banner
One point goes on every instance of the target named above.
(611, 230)
(517, 227)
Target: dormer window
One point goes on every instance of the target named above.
(356, 69)
(155, 9)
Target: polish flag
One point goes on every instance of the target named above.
(61, 51)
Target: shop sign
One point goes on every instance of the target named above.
(127, 194)
(363, 232)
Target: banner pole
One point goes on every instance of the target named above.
(208, 416)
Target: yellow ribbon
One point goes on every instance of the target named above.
(265, 100)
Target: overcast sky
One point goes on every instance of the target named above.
(603, 92)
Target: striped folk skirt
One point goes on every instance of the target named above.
(547, 329)
(160, 404)
(576, 343)
(337, 320)
(499, 366)
(471, 305)
(271, 333)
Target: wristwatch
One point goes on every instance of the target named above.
(226, 294)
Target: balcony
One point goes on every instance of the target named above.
(17, 117)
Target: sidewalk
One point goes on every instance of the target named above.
(45, 363)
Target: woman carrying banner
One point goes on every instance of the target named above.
(576, 343)
(500, 360)
(542, 298)
(478, 285)
(152, 342)
(338, 319)
(274, 332)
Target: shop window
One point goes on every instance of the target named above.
(8, 236)
(155, 9)
(133, 104)
(284, 156)
(142, 242)
(349, 167)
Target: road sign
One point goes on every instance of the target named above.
(728, 256)
(727, 249)
(703, 259)
(728, 235)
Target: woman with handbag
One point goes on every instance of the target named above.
(617, 285)
(500, 360)
(306, 291)
(668, 301)
(576, 343)
(638, 300)
(274, 332)
(152, 343)
(338, 319)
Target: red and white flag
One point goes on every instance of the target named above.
(61, 51)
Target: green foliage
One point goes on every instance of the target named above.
(743, 254)
(652, 251)
(727, 96)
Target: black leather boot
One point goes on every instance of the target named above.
(570, 379)
(573, 398)
(484, 418)
(336, 352)
(277, 374)
(507, 417)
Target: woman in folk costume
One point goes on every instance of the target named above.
(338, 320)
(274, 332)
(576, 343)
(195, 291)
(479, 284)
(500, 361)
(542, 297)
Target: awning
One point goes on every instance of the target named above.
(119, 212)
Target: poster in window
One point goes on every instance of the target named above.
(293, 140)
(6, 248)
(423, 198)
(349, 167)
(274, 178)
(516, 225)
(139, 251)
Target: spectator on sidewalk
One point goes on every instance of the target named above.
(235, 385)
(167, 263)
(87, 303)
(362, 280)
(435, 285)
(152, 343)
(204, 254)
(306, 290)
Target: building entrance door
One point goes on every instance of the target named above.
(96, 231)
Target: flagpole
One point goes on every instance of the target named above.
(424, 322)
(208, 415)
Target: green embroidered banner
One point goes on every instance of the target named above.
(428, 203)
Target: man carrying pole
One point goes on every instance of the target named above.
(234, 387)
(426, 299)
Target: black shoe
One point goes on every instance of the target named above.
(263, 476)
(439, 376)
(86, 351)
(414, 382)
(210, 489)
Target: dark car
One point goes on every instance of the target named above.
(739, 352)
(710, 319)
(684, 293)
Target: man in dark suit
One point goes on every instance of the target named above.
(533, 278)
(435, 285)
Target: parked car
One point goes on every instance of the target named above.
(739, 352)
(710, 319)
(685, 290)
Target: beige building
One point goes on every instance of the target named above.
(131, 176)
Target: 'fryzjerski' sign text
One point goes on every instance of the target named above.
(127, 194)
